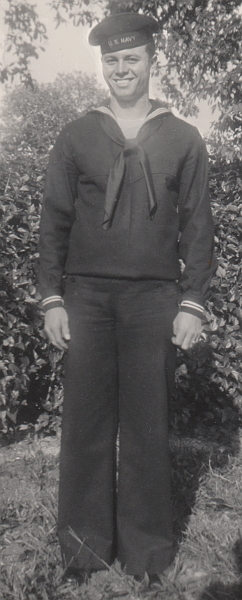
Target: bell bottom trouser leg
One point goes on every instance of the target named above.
(120, 368)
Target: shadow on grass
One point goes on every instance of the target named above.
(192, 453)
(238, 553)
(204, 432)
(221, 591)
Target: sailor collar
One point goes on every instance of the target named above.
(129, 147)
(154, 112)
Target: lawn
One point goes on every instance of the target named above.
(207, 486)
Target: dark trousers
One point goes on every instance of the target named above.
(119, 371)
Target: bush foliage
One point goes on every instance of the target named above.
(30, 377)
(32, 118)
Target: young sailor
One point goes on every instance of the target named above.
(126, 200)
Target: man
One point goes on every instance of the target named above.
(125, 183)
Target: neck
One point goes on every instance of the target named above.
(129, 109)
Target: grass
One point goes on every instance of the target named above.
(207, 486)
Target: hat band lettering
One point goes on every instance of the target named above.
(121, 41)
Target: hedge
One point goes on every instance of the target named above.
(209, 379)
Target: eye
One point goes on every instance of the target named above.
(132, 60)
(110, 61)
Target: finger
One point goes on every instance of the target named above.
(49, 336)
(53, 343)
(57, 339)
(61, 346)
(178, 338)
(188, 342)
(175, 327)
(66, 331)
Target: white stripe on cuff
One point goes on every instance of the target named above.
(190, 304)
(52, 299)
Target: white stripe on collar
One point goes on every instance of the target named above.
(150, 116)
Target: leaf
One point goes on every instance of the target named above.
(220, 272)
(42, 422)
(24, 188)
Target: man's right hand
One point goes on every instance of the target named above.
(57, 327)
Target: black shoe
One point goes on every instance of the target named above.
(158, 579)
(144, 580)
(155, 579)
(72, 574)
(139, 578)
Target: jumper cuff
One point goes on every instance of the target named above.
(52, 302)
(192, 308)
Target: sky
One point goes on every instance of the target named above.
(67, 50)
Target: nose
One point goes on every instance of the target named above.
(121, 68)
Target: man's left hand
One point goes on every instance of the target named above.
(186, 329)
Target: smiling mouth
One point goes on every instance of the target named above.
(124, 81)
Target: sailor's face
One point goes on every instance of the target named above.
(127, 72)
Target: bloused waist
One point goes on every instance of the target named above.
(112, 268)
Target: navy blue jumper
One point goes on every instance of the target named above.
(73, 240)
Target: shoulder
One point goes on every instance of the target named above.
(184, 138)
(77, 133)
(183, 130)
(176, 125)
(79, 125)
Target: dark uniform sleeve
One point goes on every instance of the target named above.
(58, 215)
(196, 244)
